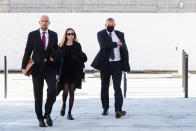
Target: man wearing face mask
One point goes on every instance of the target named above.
(111, 60)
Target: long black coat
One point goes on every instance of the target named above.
(106, 45)
(79, 58)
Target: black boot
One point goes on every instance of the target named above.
(62, 112)
(69, 116)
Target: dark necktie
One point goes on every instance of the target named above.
(44, 39)
(112, 50)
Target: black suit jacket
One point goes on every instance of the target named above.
(34, 47)
(79, 58)
(106, 45)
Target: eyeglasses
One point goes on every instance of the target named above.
(70, 34)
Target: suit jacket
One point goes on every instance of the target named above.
(79, 58)
(106, 45)
(34, 47)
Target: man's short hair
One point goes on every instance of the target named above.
(110, 19)
(44, 16)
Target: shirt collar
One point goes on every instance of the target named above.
(43, 31)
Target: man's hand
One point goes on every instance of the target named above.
(24, 71)
(119, 44)
(57, 77)
(51, 59)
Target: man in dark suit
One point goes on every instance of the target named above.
(111, 60)
(40, 44)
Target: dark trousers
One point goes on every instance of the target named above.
(49, 74)
(114, 69)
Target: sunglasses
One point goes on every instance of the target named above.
(70, 34)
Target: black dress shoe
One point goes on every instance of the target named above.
(120, 113)
(69, 117)
(48, 120)
(105, 112)
(42, 123)
(62, 112)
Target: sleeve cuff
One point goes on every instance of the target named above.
(115, 44)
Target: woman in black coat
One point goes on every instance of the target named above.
(71, 71)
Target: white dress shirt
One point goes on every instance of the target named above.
(47, 38)
(116, 49)
(46, 35)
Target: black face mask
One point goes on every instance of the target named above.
(110, 28)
